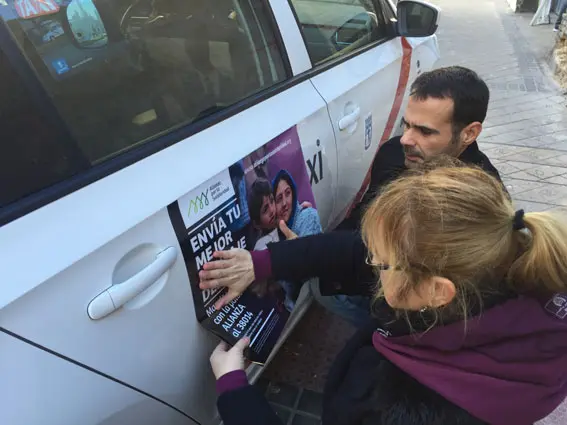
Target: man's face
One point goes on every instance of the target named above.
(268, 213)
(428, 130)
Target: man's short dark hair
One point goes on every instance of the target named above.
(468, 91)
(260, 189)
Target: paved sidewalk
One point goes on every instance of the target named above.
(526, 130)
(525, 136)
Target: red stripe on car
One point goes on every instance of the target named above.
(398, 99)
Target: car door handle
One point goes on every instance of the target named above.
(117, 295)
(348, 120)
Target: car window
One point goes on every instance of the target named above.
(36, 150)
(332, 28)
(118, 73)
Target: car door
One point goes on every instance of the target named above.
(109, 123)
(59, 390)
(364, 75)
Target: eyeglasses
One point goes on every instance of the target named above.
(384, 266)
(379, 266)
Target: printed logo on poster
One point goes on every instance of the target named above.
(204, 199)
(60, 66)
(27, 9)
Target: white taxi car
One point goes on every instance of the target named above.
(133, 105)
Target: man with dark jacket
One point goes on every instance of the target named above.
(445, 112)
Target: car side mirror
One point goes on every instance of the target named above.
(86, 25)
(416, 18)
(354, 29)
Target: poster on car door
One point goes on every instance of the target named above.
(241, 207)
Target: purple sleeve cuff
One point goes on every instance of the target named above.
(262, 264)
(232, 381)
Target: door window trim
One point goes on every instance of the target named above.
(342, 58)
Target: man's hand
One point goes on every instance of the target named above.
(233, 270)
(224, 360)
(288, 233)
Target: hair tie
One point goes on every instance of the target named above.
(518, 222)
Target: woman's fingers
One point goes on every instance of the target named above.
(209, 284)
(213, 274)
(217, 265)
(226, 255)
(228, 297)
(241, 345)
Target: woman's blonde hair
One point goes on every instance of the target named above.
(456, 221)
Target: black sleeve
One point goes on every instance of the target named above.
(246, 406)
(333, 257)
(388, 164)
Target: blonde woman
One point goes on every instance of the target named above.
(470, 313)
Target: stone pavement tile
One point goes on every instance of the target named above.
(506, 119)
(549, 119)
(540, 172)
(486, 145)
(548, 194)
(558, 417)
(529, 206)
(560, 146)
(558, 160)
(517, 117)
(510, 102)
(513, 137)
(542, 107)
(558, 179)
(534, 156)
(532, 142)
(506, 128)
(516, 187)
(501, 98)
(505, 151)
(526, 115)
(544, 130)
(510, 99)
(521, 166)
(525, 138)
(509, 168)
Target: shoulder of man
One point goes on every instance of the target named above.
(392, 147)
(388, 160)
(489, 167)
(477, 157)
(480, 159)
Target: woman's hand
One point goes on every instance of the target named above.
(233, 270)
(224, 360)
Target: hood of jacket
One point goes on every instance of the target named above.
(505, 366)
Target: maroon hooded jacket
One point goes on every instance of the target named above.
(512, 353)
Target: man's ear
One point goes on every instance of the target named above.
(470, 133)
(438, 292)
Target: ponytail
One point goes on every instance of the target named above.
(543, 262)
